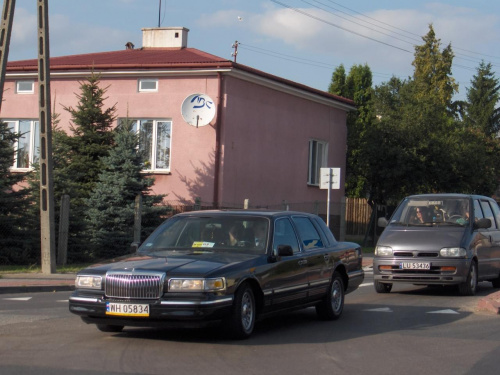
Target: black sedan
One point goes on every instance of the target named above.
(229, 267)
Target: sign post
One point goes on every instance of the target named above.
(329, 179)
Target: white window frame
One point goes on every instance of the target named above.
(147, 80)
(21, 91)
(32, 140)
(153, 155)
(318, 158)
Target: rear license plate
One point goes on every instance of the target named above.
(415, 265)
(126, 309)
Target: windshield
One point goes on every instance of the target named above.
(209, 234)
(431, 211)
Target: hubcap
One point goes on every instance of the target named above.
(336, 296)
(246, 311)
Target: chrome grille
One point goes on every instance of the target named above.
(134, 284)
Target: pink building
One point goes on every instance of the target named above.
(216, 130)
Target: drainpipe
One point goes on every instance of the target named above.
(218, 129)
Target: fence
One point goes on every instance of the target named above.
(353, 220)
(356, 218)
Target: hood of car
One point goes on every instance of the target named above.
(421, 238)
(188, 264)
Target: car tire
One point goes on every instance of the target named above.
(333, 304)
(469, 287)
(242, 320)
(109, 328)
(382, 287)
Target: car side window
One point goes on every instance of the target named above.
(488, 213)
(307, 233)
(285, 235)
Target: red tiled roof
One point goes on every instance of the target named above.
(154, 58)
(130, 58)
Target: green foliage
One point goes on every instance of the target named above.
(433, 70)
(17, 239)
(358, 87)
(408, 136)
(110, 208)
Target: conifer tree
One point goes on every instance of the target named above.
(110, 207)
(90, 138)
(482, 112)
(78, 158)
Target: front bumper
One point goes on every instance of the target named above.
(199, 311)
(437, 275)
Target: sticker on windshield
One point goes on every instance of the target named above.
(203, 244)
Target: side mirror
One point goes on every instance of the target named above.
(285, 250)
(382, 222)
(482, 224)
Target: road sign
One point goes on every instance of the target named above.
(329, 176)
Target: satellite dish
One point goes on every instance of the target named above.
(198, 109)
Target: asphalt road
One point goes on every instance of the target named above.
(411, 330)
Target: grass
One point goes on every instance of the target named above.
(34, 268)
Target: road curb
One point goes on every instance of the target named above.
(490, 303)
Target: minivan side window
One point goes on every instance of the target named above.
(307, 233)
(488, 213)
(478, 213)
(496, 212)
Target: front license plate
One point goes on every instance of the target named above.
(415, 265)
(126, 309)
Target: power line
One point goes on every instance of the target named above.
(457, 55)
(337, 26)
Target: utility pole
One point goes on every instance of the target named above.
(235, 53)
(5, 31)
(46, 168)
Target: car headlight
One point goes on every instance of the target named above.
(452, 252)
(88, 282)
(383, 251)
(196, 285)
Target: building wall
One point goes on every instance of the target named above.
(264, 135)
(191, 172)
(266, 143)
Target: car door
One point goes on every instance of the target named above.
(287, 278)
(316, 256)
(485, 239)
(489, 256)
(495, 256)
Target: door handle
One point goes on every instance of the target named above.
(302, 262)
(326, 257)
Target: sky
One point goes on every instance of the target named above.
(299, 40)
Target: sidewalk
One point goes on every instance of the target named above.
(38, 282)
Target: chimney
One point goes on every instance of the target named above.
(174, 37)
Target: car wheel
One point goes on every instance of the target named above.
(469, 287)
(333, 304)
(382, 287)
(242, 320)
(109, 328)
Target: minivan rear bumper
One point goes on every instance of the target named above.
(441, 272)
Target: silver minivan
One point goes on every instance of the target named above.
(439, 239)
